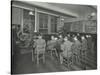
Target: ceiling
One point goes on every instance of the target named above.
(80, 10)
(68, 9)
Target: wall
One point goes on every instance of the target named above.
(84, 26)
(16, 15)
(81, 24)
(78, 19)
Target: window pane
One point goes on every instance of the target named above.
(43, 23)
(28, 22)
(53, 24)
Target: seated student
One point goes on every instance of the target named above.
(66, 49)
(51, 45)
(89, 43)
(83, 51)
(76, 45)
(58, 46)
(76, 48)
(84, 45)
(40, 43)
(60, 40)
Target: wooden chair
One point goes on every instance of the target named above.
(55, 51)
(66, 59)
(76, 53)
(40, 50)
(51, 48)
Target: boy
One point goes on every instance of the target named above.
(66, 48)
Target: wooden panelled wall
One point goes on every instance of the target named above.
(89, 26)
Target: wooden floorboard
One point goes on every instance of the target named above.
(23, 64)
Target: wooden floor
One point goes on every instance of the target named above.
(22, 64)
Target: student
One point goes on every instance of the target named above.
(51, 44)
(84, 51)
(40, 45)
(40, 42)
(90, 44)
(60, 40)
(58, 46)
(76, 48)
(84, 45)
(66, 49)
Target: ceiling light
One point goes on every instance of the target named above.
(93, 14)
(31, 13)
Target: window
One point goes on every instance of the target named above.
(28, 22)
(43, 23)
(53, 24)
